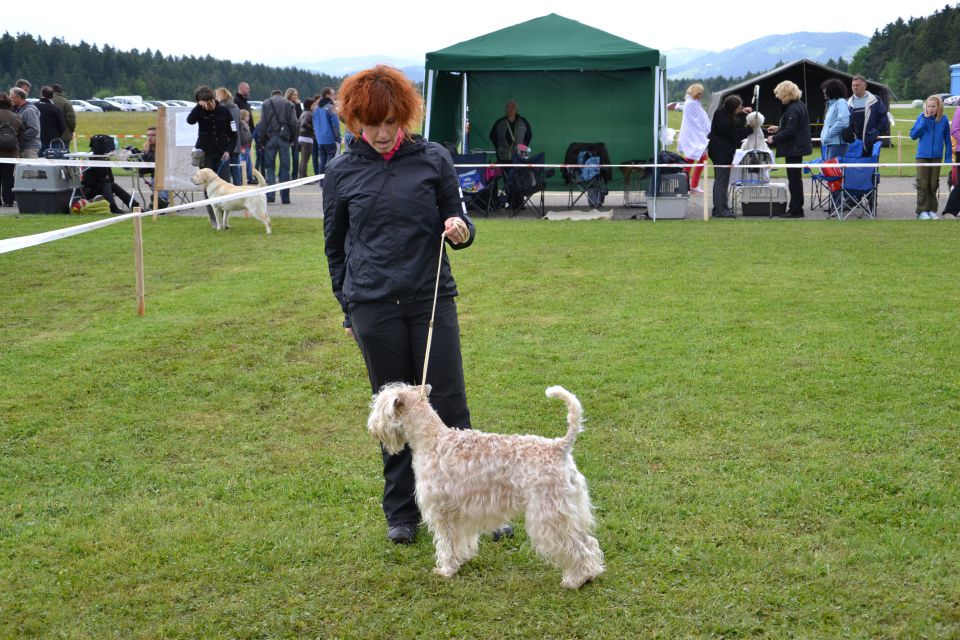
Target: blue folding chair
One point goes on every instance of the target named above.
(858, 191)
(479, 191)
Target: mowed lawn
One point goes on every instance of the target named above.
(771, 445)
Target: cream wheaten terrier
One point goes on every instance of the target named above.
(468, 482)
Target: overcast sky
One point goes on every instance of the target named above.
(305, 31)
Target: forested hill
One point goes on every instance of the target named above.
(913, 58)
(85, 71)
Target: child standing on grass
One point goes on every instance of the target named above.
(246, 139)
(932, 132)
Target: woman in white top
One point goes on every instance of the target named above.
(694, 134)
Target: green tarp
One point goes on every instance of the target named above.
(574, 83)
(550, 43)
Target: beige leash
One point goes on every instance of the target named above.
(433, 312)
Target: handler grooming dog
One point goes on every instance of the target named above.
(214, 186)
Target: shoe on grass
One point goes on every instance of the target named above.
(933, 215)
(405, 533)
(923, 215)
(504, 531)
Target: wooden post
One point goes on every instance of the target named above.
(138, 259)
(159, 157)
(899, 153)
(706, 190)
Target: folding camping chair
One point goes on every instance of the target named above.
(478, 184)
(590, 181)
(525, 182)
(859, 186)
(821, 183)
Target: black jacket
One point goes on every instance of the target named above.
(242, 103)
(52, 122)
(382, 222)
(726, 136)
(793, 136)
(215, 133)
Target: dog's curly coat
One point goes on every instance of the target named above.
(468, 482)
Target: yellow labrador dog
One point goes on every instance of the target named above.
(215, 187)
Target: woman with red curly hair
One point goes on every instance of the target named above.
(387, 200)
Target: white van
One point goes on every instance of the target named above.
(135, 103)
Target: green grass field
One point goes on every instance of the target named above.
(771, 442)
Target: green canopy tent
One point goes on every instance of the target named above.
(574, 83)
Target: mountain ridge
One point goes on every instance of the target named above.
(764, 53)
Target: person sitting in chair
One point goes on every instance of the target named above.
(510, 136)
(149, 154)
(509, 131)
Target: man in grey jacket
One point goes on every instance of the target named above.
(30, 143)
(278, 132)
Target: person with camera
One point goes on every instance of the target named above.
(216, 136)
(278, 134)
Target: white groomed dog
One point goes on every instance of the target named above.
(468, 482)
(757, 139)
(214, 187)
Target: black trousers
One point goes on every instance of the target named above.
(393, 339)
(795, 185)
(6, 184)
(213, 161)
(721, 184)
(108, 190)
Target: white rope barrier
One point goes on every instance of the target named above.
(73, 162)
(23, 242)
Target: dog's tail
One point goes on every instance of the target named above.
(261, 181)
(574, 413)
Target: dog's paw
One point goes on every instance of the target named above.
(446, 572)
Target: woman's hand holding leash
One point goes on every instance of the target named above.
(456, 230)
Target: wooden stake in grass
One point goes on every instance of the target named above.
(138, 259)
(706, 190)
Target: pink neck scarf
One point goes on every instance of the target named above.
(388, 154)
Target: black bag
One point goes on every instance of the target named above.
(8, 137)
(848, 135)
(102, 144)
(56, 150)
(669, 157)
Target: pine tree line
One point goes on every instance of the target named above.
(85, 71)
(913, 58)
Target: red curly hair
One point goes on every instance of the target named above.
(366, 98)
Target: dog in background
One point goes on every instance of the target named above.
(214, 187)
(469, 482)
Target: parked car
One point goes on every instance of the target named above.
(255, 104)
(179, 103)
(132, 104)
(108, 105)
(952, 101)
(83, 105)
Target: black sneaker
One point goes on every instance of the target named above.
(506, 531)
(404, 533)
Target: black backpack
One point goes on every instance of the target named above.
(8, 137)
(102, 144)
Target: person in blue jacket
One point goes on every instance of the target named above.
(835, 120)
(932, 133)
(326, 129)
